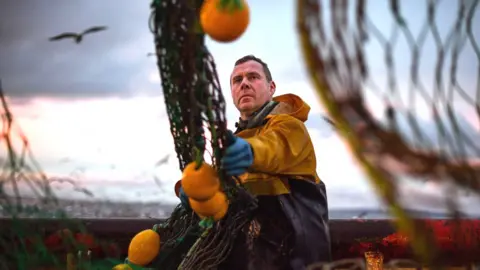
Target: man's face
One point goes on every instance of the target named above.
(250, 88)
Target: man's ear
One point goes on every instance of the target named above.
(272, 87)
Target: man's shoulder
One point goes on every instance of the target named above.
(284, 118)
(286, 122)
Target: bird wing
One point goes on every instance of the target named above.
(64, 35)
(329, 121)
(94, 29)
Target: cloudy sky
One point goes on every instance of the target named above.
(94, 111)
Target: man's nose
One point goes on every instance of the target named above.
(245, 84)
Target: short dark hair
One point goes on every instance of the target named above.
(251, 57)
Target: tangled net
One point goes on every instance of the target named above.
(195, 106)
(335, 52)
(337, 61)
(26, 192)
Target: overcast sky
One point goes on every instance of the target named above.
(95, 112)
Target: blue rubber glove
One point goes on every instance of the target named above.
(183, 198)
(238, 156)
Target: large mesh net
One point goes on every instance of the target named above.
(335, 39)
(355, 53)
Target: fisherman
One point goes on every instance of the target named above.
(273, 156)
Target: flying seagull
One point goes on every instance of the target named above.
(76, 36)
(329, 121)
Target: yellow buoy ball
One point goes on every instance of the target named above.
(218, 215)
(144, 247)
(122, 266)
(200, 184)
(211, 206)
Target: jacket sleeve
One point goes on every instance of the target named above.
(284, 148)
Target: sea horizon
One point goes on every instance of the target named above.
(158, 210)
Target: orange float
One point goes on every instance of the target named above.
(224, 23)
(215, 207)
(200, 184)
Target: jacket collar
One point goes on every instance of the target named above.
(256, 119)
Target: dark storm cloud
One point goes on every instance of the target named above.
(109, 63)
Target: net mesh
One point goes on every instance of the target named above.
(195, 107)
(355, 53)
(25, 192)
(335, 39)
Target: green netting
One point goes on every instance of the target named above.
(195, 106)
(24, 244)
(338, 64)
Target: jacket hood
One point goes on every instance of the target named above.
(292, 105)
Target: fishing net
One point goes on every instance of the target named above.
(196, 111)
(27, 198)
(352, 54)
(339, 64)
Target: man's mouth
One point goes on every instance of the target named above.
(245, 96)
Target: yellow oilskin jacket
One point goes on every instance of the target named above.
(282, 149)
